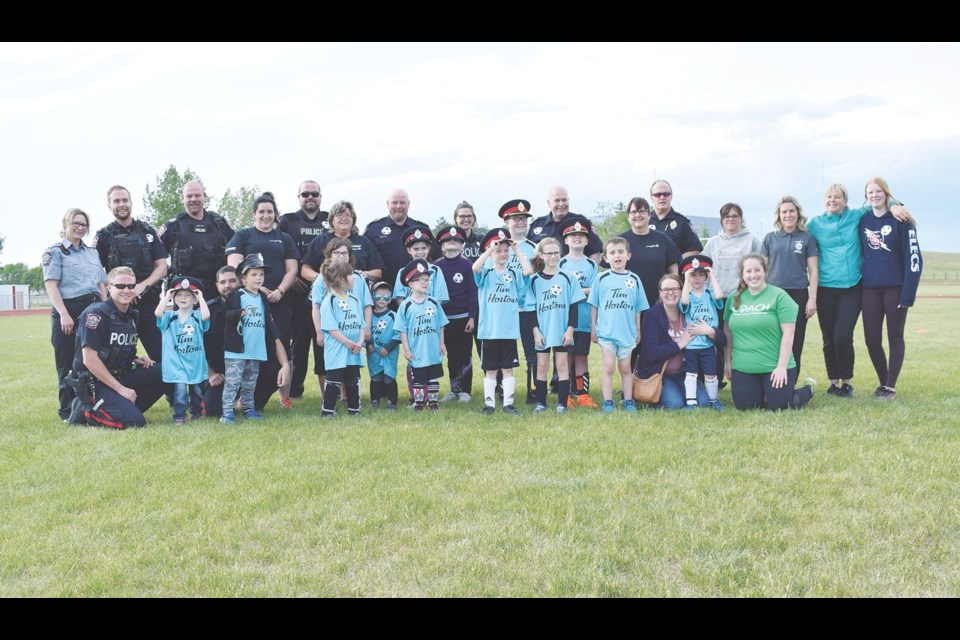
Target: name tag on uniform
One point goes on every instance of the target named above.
(198, 228)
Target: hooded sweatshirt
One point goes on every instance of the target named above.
(726, 252)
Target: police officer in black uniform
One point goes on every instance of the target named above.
(385, 234)
(125, 385)
(304, 226)
(196, 238)
(127, 242)
(671, 222)
(548, 226)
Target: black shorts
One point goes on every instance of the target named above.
(567, 349)
(498, 354)
(423, 375)
(319, 366)
(581, 344)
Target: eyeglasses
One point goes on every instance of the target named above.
(309, 194)
(341, 253)
(550, 254)
(465, 216)
(730, 216)
(381, 296)
(123, 286)
(670, 290)
(638, 212)
(80, 225)
(662, 194)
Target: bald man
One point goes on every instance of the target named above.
(548, 226)
(385, 234)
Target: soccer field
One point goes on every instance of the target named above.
(844, 498)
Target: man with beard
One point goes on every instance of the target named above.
(127, 242)
(213, 344)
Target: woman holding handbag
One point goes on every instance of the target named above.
(665, 336)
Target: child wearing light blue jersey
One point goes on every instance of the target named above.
(584, 270)
(383, 349)
(554, 295)
(420, 322)
(617, 300)
(184, 362)
(501, 292)
(699, 303)
(343, 328)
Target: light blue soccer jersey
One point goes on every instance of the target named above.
(529, 248)
(552, 299)
(346, 316)
(437, 291)
(422, 321)
(583, 271)
(184, 359)
(618, 297)
(702, 309)
(253, 328)
(360, 290)
(381, 335)
(500, 296)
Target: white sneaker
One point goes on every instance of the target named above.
(450, 396)
(464, 397)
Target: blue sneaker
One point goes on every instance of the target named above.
(227, 418)
(607, 406)
(630, 406)
(689, 407)
(540, 408)
(562, 409)
(252, 414)
(716, 404)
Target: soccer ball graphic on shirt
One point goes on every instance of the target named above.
(342, 304)
(381, 325)
(555, 289)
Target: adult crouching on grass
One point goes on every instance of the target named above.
(665, 335)
(73, 277)
(760, 323)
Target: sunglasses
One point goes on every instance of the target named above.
(381, 296)
(124, 286)
(309, 194)
(662, 194)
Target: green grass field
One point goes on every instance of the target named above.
(844, 498)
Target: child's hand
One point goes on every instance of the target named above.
(320, 339)
(408, 355)
(468, 328)
(593, 337)
(370, 348)
(568, 337)
(538, 337)
(443, 349)
(384, 352)
(355, 347)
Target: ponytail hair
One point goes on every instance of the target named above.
(742, 286)
(335, 274)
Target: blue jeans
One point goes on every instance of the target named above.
(673, 395)
(182, 393)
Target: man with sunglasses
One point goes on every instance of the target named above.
(676, 225)
(304, 226)
(124, 384)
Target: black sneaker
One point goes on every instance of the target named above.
(845, 391)
(833, 390)
(510, 409)
(487, 410)
(885, 393)
(531, 400)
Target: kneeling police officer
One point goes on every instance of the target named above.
(124, 384)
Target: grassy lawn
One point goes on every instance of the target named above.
(844, 498)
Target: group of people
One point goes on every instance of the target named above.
(736, 308)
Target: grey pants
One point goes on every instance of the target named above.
(240, 375)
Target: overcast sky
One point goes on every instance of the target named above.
(478, 122)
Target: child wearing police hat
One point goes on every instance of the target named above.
(699, 302)
(184, 363)
(420, 324)
(461, 311)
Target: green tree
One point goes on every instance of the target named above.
(237, 206)
(164, 202)
(441, 223)
(20, 273)
(2, 240)
(609, 219)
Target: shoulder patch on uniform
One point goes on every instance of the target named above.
(47, 258)
(92, 321)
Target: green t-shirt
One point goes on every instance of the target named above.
(755, 326)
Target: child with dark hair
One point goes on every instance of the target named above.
(420, 323)
(461, 311)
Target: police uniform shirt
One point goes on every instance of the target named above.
(583, 271)
(183, 350)
(383, 336)
(78, 271)
(213, 339)
(302, 229)
(385, 234)
(365, 256)
(343, 314)
(136, 246)
(110, 332)
(618, 297)
(422, 321)
(275, 246)
(679, 229)
(547, 227)
(205, 237)
(471, 247)
(500, 297)
(650, 257)
(787, 255)
(552, 298)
